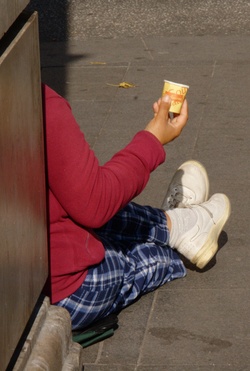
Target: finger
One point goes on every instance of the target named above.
(155, 108)
(182, 119)
(164, 106)
(184, 109)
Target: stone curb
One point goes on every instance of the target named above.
(49, 344)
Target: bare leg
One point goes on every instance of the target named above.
(169, 223)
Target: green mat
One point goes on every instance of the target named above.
(98, 331)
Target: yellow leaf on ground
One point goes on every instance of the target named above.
(124, 85)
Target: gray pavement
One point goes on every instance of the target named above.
(200, 322)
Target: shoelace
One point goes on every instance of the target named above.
(178, 198)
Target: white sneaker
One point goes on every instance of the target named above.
(200, 243)
(189, 186)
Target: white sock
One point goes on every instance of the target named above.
(182, 220)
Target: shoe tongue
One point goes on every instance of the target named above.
(187, 192)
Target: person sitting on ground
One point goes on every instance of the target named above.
(105, 250)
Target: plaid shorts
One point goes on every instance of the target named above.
(137, 261)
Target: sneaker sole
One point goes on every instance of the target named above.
(210, 247)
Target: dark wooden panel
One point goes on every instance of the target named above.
(23, 236)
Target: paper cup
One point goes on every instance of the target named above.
(177, 92)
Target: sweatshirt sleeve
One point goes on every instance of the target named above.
(89, 193)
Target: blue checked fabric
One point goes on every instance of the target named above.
(137, 261)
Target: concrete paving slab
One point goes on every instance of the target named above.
(133, 324)
(203, 324)
(91, 118)
(115, 367)
(76, 19)
(184, 368)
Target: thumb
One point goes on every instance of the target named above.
(164, 106)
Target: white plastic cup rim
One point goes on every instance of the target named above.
(176, 83)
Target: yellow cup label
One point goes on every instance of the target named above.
(177, 93)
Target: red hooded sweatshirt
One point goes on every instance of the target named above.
(83, 195)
